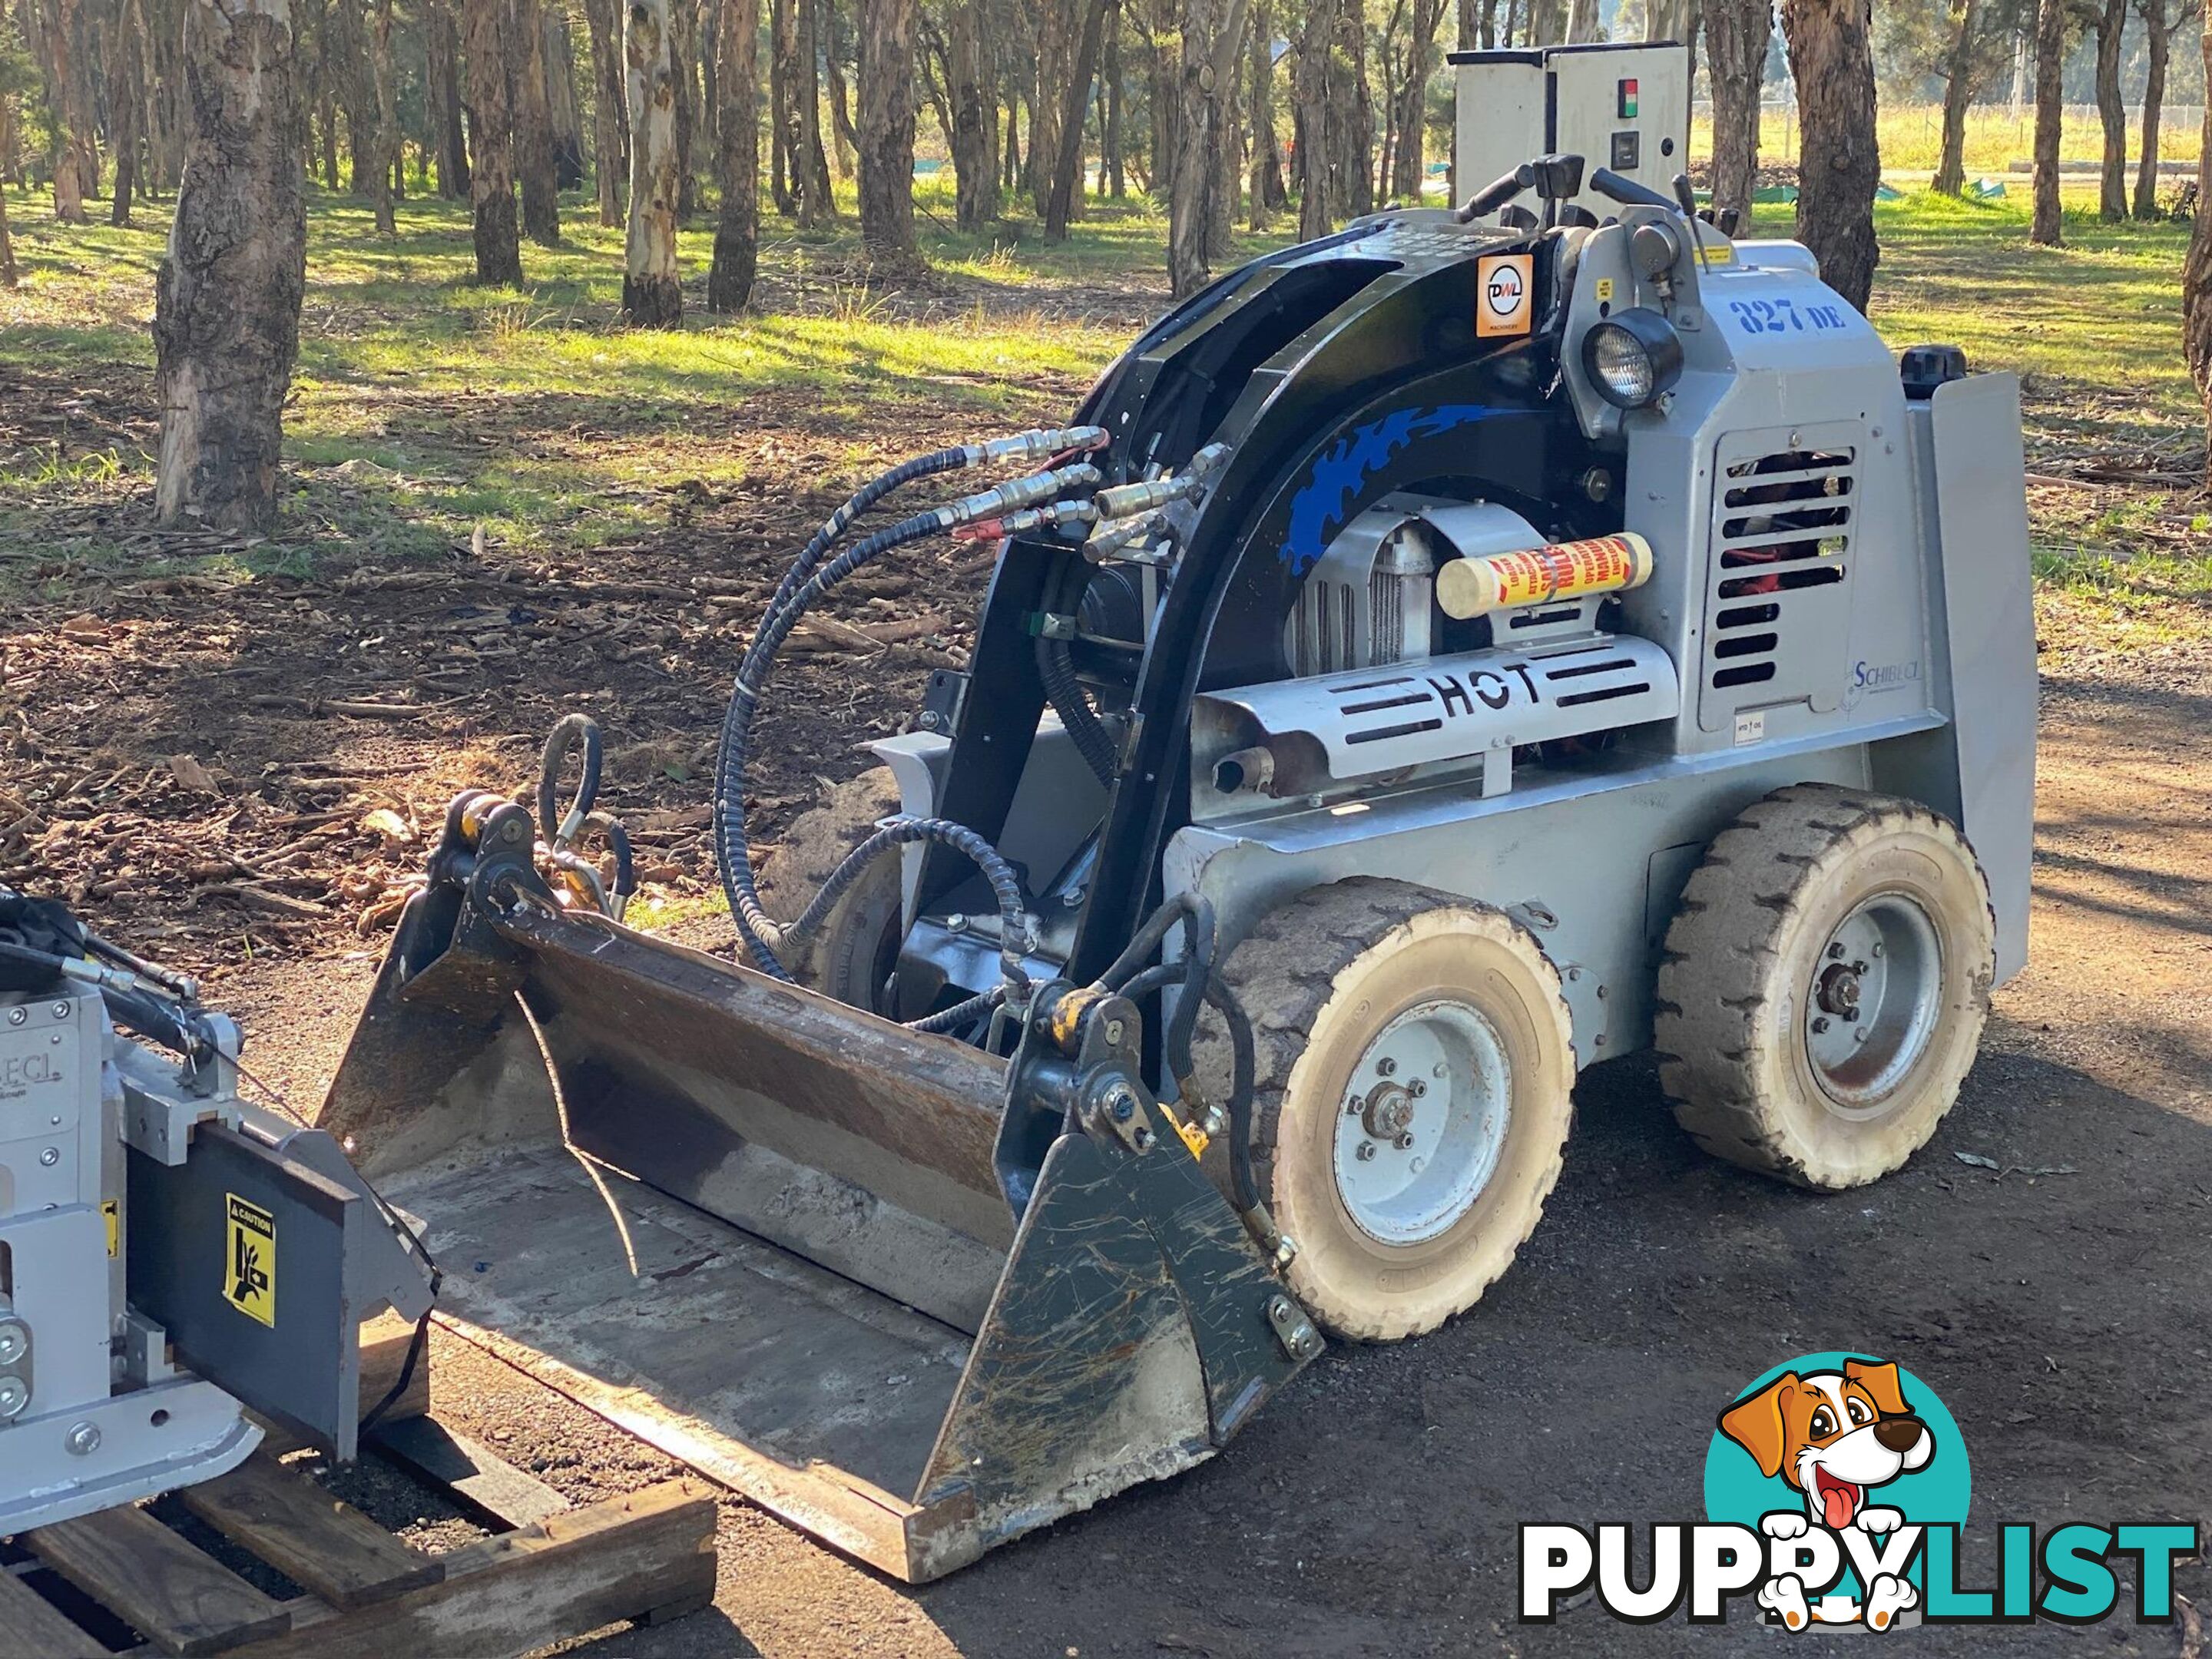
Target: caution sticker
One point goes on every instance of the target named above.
(112, 1212)
(1503, 294)
(1605, 290)
(249, 1276)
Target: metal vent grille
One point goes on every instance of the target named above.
(1776, 600)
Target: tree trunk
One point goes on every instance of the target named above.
(227, 296)
(126, 102)
(2197, 272)
(682, 29)
(1406, 174)
(2158, 47)
(2049, 115)
(1736, 36)
(383, 140)
(7, 278)
(974, 123)
(783, 105)
(602, 18)
(1075, 99)
(1213, 43)
(1958, 92)
(1263, 190)
(442, 92)
(1582, 22)
(345, 68)
(76, 166)
(1055, 66)
(1547, 23)
(737, 231)
(1833, 61)
(886, 88)
(844, 140)
(1113, 167)
(651, 297)
(491, 131)
(2112, 109)
(567, 117)
(533, 125)
(817, 206)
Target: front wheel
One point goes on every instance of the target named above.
(1415, 1069)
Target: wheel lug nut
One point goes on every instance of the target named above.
(1836, 951)
(1418, 1164)
(1366, 1152)
(1876, 950)
(1417, 1088)
(1858, 967)
(1860, 1035)
(1404, 1140)
(1819, 1025)
(1386, 1067)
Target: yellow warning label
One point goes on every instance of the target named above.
(114, 1212)
(1604, 289)
(249, 1273)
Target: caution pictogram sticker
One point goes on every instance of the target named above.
(249, 1275)
(1503, 283)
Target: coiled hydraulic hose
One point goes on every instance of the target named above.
(801, 591)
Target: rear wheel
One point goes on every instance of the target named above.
(851, 955)
(1414, 1091)
(1825, 985)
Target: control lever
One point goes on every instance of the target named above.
(1685, 198)
(1498, 192)
(1626, 191)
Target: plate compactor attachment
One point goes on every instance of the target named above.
(1033, 1296)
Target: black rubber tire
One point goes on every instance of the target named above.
(1320, 977)
(852, 954)
(1740, 964)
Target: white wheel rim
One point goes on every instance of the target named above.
(1422, 1123)
(1873, 1001)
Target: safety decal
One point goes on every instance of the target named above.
(1504, 284)
(249, 1276)
(112, 1212)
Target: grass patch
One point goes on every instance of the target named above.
(427, 408)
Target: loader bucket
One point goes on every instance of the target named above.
(761, 1230)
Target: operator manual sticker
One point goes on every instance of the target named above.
(1501, 284)
(249, 1273)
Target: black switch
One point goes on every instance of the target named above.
(1627, 151)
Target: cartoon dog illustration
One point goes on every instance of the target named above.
(1833, 1435)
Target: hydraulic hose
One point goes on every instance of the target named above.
(1066, 694)
(801, 589)
(568, 731)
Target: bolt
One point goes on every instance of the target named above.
(82, 1439)
(1858, 967)
(1366, 1152)
(512, 832)
(14, 1396)
(1819, 1025)
(1877, 948)
(1836, 951)
(1417, 1164)
(1405, 1139)
(1142, 1140)
(15, 1342)
(1440, 1069)
(16, 1016)
(1417, 1088)
(957, 922)
(1114, 1029)
(928, 722)
(1122, 1105)
(1386, 1067)
(61, 1010)
(1862, 1034)
(50, 1157)
(1351, 1107)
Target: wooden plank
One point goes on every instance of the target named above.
(472, 1471)
(35, 1629)
(183, 1600)
(570, 1574)
(312, 1538)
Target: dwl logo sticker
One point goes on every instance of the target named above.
(1836, 1489)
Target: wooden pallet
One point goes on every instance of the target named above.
(556, 1571)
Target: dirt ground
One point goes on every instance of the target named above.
(238, 781)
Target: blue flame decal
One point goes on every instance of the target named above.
(1341, 472)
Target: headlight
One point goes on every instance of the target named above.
(1632, 356)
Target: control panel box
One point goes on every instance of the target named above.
(1623, 106)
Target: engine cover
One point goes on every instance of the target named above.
(1295, 739)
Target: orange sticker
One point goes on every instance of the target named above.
(1504, 298)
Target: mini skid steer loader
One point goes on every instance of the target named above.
(1439, 657)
